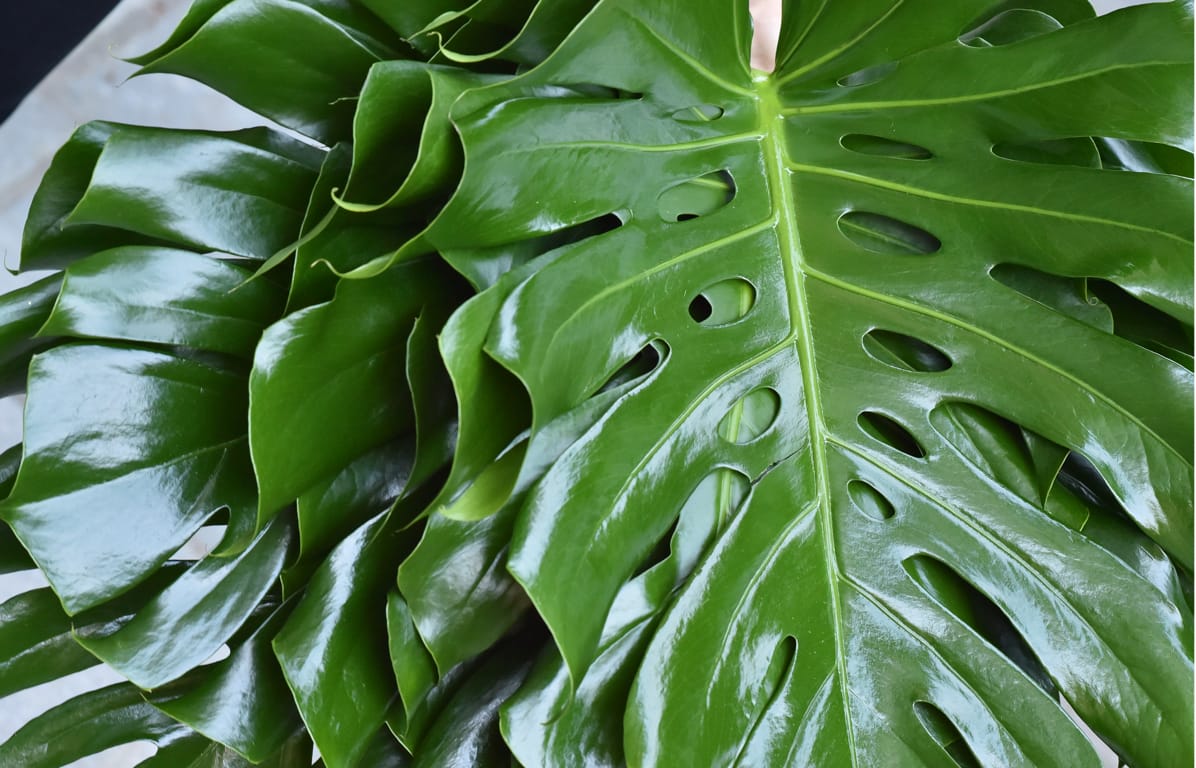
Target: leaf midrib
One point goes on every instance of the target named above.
(770, 114)
(778, 166)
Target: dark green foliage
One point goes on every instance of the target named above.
(579, 396)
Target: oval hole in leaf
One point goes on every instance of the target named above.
(593, 91)
(1007, 27)
(724, 302)
(496, 262)
(1017, 458)
(892, 434)
(640, 365)
(484, 267)
(871, 502)
(1135, 320)
(699, 113)
(202, 543)
(866, 144)
(889, 236)
(696, 197)
(867, 75)
(1068, 296)
(588, 90)
(905, 352)
(972, 607)
(712, 504)
(660, 551)
(575, 233)
(1144, 157)
(1079, 152)
(222, 653)
(944, 732)
(715, 500)
(1081, 477)
(751, 416)
(779, 668)
(770, 696)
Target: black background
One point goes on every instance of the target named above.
(37, 34)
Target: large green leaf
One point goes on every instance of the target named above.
(838, 416)
(241, 701)
(329, 385)
(164, 296)
(298, 63)
(116, 715)
(402, 125)
(855, 268)
(195, 751)
(190, 620)
(549, 716)
(22, 313)
(127, 452)
(333, 648)
(457, 590)
(241, 192)
(37, 642)
(45, 242)
(466, 732)
(87, 724)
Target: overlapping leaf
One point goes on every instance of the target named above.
(155, 323)
(825, 256)
(839, 416)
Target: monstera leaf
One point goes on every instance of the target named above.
(574, 394)
(896, 399)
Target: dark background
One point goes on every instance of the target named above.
(37, 35)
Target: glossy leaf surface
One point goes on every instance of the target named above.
(626, 405)
(294, 63)
(334, 645)
(329, 384)
(87, 724)
(46, 243)
(37, 642)
(241, 701)
(811, 631)
(466, 732)
(189, 621)
(164, 296)
(242, 193)
(22, 313)
(98, 458)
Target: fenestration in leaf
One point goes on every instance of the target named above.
(839, 416)
(813, 631)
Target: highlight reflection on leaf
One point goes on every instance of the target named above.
(598, 397)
